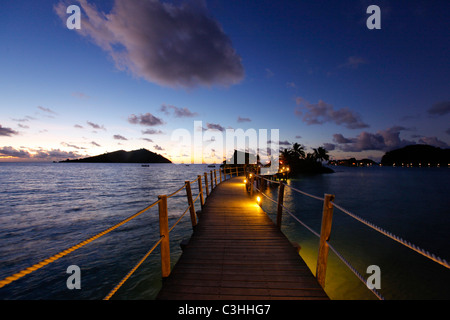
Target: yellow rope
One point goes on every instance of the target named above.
(45, 262)
(117, 287)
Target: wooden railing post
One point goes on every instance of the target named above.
(164, 232)
(206, 184)
(251, 185)
(212, 181)
(200, 190)
(191, 203)
(220, 175)
(237, 172)
(280, 204)
(215, 177)
(325, 231)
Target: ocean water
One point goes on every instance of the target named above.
(48, 207)
(412, 203)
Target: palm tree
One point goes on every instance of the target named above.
(298, 150)
(320, 154)
(286, 156)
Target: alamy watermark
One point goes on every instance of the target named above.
(252, 146)
(74, 20)
(374, 280)
(74, 280)
(374, 21)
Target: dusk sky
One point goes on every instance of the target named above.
(137, 70)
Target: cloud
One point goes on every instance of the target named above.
(159, 148)
(95, 126)
(11, 152)
(164, 43)
(145, 119)
(95, 144)
(383, 140)
(353, 62)
(42, 155)
(47, 110)
(80, 95)
(433, 141)
(152, 131)
(339, 138)
(447, 131)
(322, 112)
(147, 139)
(119, 137)
(178, 112)
(329, 146)
(243, 119)
(214, 126)
(7, 131)
(78, 126)
(65, 144)
(440, 108)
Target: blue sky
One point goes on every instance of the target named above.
(138, 70)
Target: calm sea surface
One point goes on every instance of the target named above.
(48, 207)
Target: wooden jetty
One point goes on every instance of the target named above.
(237, 252)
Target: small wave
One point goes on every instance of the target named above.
(78, 209)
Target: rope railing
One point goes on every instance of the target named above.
(162, 202)
(328, 201)
(61, 254)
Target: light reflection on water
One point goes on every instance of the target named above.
(46, 208)
(409, 202)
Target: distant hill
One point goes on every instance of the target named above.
(417, 155)
(121, 156)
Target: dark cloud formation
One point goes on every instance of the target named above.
(146, 119)
(440, 108)
(433, 141)
(47, 110)
(323, 112)
(95, 125)
(68, 145)
(95, 144)
(152, 131)
(178, 112)
(329, 146)
(119, 137)
(240, 119)
(159, 148)
(40, 155)
(7, 131)
(383, 140)
(215, 126)
(164, 43)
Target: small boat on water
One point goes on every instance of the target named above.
(145, 165)
(212, 166)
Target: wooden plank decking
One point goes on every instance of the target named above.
(237, 252)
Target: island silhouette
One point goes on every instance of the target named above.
(122, 156)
